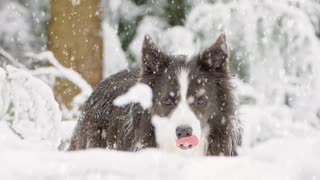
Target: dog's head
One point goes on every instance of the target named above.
(190, 95)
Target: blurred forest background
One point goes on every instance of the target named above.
(274, 55)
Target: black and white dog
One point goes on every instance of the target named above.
(192, 112)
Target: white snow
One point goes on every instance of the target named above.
(28, 106)
(149, 25)
(67, 73)
(178, 40)
(75, 2)
(289, 158)
(139, 93)
(15, 29)
(58, 70)
(4, 93)
(23, 27)
(114, 58)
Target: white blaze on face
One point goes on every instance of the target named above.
(182, 115)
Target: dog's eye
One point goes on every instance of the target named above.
(201, 101)
(168, 102)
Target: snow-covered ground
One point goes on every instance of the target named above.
(289, 158)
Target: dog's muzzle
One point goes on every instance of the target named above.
(185, 138)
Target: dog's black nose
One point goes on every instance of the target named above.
(183, 131)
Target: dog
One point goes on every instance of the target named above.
(193, 108)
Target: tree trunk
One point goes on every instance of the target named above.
(75, 39)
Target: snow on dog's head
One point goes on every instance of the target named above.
(139, 93)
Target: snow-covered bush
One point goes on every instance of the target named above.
(178, 40)
(15, 32)
(151, 25)
(28, 106)
(115, 59)
(23, 27)
(49, 75)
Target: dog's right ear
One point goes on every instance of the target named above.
(154, 61)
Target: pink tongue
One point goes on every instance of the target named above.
(187, 142)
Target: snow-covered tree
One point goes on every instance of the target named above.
(24, 28)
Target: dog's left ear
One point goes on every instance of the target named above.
(215, 58)
(154, 61)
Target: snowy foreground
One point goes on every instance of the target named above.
(274, 146)
(292, 158)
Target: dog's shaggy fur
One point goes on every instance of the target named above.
(208, 106)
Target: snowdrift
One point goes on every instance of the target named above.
(289, 158)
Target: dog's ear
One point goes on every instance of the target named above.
(215, 58)
(154, 61)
